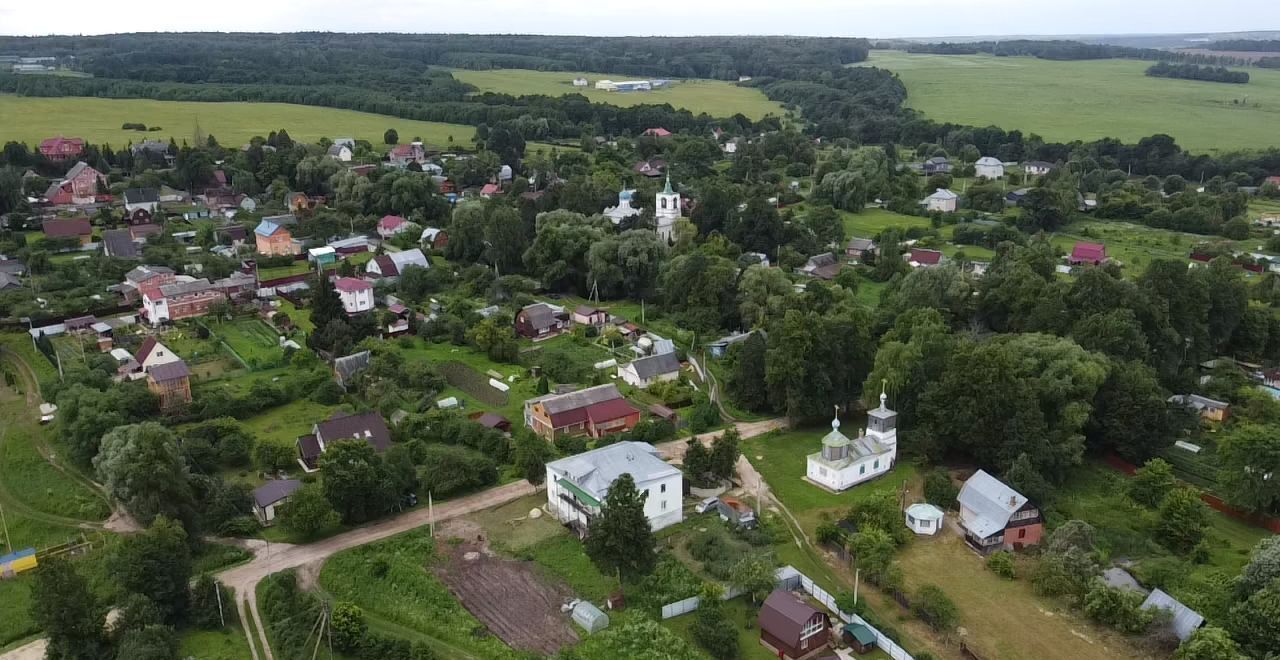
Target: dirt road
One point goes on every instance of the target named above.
(268, 559)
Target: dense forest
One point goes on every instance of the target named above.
(1248, 45)
(1051, 50)
(328, 58)
(1197, 72)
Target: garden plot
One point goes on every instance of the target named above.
(511, 598)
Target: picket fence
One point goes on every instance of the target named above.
(790, 579)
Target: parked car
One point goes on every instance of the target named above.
(707, 505)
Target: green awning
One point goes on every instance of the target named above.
(861, 633)
(583, 496)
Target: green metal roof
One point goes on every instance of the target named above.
(582, 494)
(861, 633)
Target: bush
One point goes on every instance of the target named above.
(448, 470)
(713, 631)
(1118, 608)
(939, 489)
(1001, 563)
(935, 608)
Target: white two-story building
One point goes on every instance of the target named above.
(578, 485)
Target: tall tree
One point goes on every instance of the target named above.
(307, 512)
(156, 564)
(355, 481)
(326, 306)
(1250, 456)
(142, 467)
(531, 456)
(68, 612)
(620, 540)
(725, 452)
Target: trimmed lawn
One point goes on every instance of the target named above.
(743, 615)
(303, 266)
(1004, 618)
(16, 624)
(31, 119)
(562, 555)
(229, 643)
(872, 221)
(717, 98)
(510, 528)
(252, 339)
(1108, 98)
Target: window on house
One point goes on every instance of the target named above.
(1022, 533)
(813, 627)
(663, 488)
(664, 505)
(862, 469)
(876, 466)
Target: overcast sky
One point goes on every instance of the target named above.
(867, 18)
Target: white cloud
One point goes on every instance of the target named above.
(871, 18)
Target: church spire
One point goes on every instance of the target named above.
(668, 190)
(835, 421)
(883, 396)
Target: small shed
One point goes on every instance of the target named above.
(1185, 620)
(591, 618)
(859, 637)
(924, 519)
(447, 403)
(18, 562)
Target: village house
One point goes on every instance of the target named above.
(434, 238)
(117, 243)
(988, 168)
(179, 300)
(340, 152)
(646, 371)
(653, 168)
(858, 248)
(844, 463)
(8, 282)
(392, 265)
(269, 496)
(720, 347)
(356, 294)
(654, 132)
(541, 320)
(274, 240)
(941, 200)
(923, 258)
(403, 154)
(490, 190)
(823, 266)
(1210, 409)
(937, 165)
(143, 233)
(791, 627)
(171, 382)
(347, 367)
(588, 315)
(390, 225)
(1037, 168)
(368, 426)
(1092, 254)
(594, 412)
(79, 186)
(997, 517)
(144, 199)
(577, 486)
(58, 149)
(77, 228)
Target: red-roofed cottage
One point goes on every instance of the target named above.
(922, 258)
(1092, 254)
(656, 132)
(77, 228)
(489, 190)
(390, 225)
(80, 186)
(594, 412)
(791, 627)
(62, 148)
(356, 294)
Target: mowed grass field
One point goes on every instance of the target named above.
(1087, 100)
(717, 98)
(97, 120)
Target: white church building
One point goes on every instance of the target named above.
(667, 211)
(844, 463)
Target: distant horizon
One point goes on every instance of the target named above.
(1269, 34)
(870, 19)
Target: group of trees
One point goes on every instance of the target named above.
(1197, 72)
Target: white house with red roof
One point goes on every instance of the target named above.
(79, 186)
(922, 258)
(403, 154)
(356, 294)
(1093, 254)
(152, 353)
(390, 225)
(62, 148)
(489, 190)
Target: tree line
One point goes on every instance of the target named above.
(1197, 72)
(1057, 49)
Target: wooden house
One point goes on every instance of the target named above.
(792, 628)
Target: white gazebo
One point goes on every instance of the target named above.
(924, 519)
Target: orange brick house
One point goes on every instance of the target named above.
(274, 240)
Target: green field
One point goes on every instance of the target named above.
(98, 120)
(1086, 100)
(717, 98)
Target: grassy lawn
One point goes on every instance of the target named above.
(303, 266)
(301, 317)
(717, 98)
(781, 460)
(252, 339)
(282, 425)
(16, 623)
(98, 120)
(743, 615)
(390, 581)
(1108, 98)
(510, 528)
(229, 643)
(563, 557)
(1004, 618)
(871, 222)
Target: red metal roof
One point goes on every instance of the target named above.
(657, 132)
(490, 189)
(391, 221)
(1089, 252)
(596, 413)
(66, 228)
(926, 257)
(351, 284)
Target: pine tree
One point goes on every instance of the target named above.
(697, 461)
(325, 303)
(619, 539)
(67, 610)
(724, 453)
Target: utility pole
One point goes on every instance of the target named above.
(7, 544)
(857, 575)
(431, 514)
(218, 592)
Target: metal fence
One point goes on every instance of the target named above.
(790, 579)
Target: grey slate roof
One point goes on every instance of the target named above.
(13, 267)
(656, 365)
(862, 244)
(1185, 620)
(541, 315)
(144, 273)
(991, 501)
(581, 398)
(8, 281)
(169, 371)
(117, 243)
(274, 491)
(350, 365)
(596, 470)
(141, 195)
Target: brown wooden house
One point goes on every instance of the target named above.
(171, 382)
(792, 628)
